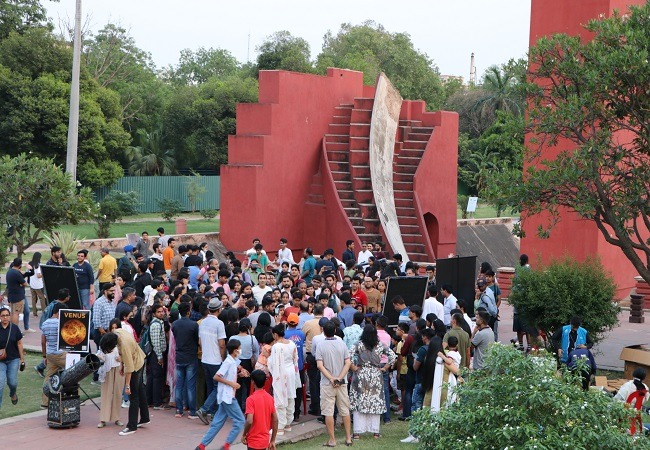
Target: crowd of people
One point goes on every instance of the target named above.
(250, 339)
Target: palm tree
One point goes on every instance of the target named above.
(500, 88)
(150, 157)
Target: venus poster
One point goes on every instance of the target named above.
(74, 330)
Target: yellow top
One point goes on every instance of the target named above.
(107, 268)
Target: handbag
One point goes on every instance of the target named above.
(3, 352)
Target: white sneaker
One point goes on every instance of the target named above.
(410, 440)
(126, 404)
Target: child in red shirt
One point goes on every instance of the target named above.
(260, 416)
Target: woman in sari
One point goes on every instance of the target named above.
(367, 386)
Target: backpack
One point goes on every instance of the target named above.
(125, 269)
(145, 342)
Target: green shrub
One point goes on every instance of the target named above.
(521, 402)
(209, 213)
(115, 206)
(462, 204)
(169, 208)
(549, 296)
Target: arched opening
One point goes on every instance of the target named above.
(433, 231)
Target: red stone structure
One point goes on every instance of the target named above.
(298, 167)
(574, 236)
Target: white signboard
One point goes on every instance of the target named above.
(471, 204)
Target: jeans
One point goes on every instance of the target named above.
(155, 380)
(225, 410)
(314, 384)
(387, 396)
(418, 397)
(138, 400)
(408, 393)
(186, 384)
(9, 375)
(26, 315)
(84, 296)
(210, 406)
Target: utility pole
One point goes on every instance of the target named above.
(73, 122)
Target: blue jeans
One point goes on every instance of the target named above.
(418, 397)
(9, 375)
(409, 384)
(186, 384)
(387, 396)
(84, 296)
(210, 406)
(226, 410)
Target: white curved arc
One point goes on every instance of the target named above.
(383, 128)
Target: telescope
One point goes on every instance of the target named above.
(62, 389)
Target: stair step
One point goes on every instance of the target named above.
(361, 116)
(337, 155)
(422, 130)
(360, 130)
(360, 171)
(337, 146)
(414, 248)
(406, 219)
(343, 110)
(419, 257)
(408, 160)
(412, 238)
(404, 202)
(405, 168)
(409, 229)
(337, 138)
(343, 186)
(361, 184)
(410, 123)
(340, 176)
(402, 177)
(346, 194)
(364, 103)
(400, 185)
(359, 156)
(419, 145)
(339, 166)
(364, 196)
(359, 143)
(341, 129)
(352, 212)
(369, 237)
(414, 136)
(411, 152)
(341, 119)
(402, 194)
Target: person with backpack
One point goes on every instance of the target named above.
(154, 345)
(126, 266)
(63, 296)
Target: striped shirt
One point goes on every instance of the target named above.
(50, 329)
(157, 336)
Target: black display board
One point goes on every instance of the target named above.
(411, 289)
(460, 273)
(55, 278)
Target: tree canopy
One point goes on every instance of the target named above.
(591, 101)
(282, 51)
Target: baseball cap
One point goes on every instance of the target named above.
(293, 319)
(128, 248)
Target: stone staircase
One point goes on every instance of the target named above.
(347, 148)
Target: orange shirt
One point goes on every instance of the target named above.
(168, 254)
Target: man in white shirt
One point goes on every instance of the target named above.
(261, 288)
(449, 303)
(432, 305)
(212, 336)
(284, 254)
(365, 254)
(251, 251)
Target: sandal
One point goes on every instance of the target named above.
(377, 435)
(327, 444)
(349, 444)
(178, 415)
(356, 437)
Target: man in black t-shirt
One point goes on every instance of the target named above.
(186, 334)
(16, 289)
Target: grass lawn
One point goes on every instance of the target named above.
(120, 229)
(30, 388)
(486, 211)
(391, 434)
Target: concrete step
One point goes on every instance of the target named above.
(414, 248)
(343, 185)
(343, 110)
(418, 136)
(339, 129)
(419, 257)
(341, 119)
(337, 146)
(405, 211)
(364, 103)
(368, 210)
(361, 116)
(360, 130)
(346, 194)
(361, 184)
(399, 176)
(359, 156)
(411, 152)
(422, 130)
(340, 176)
(348, 202)
(403, 194)
(408, 160)
(339, 166)
(359, 171)
(352, 212)
(409, 229)
(337, 155)
(364, 196)
(359, 143)
(404, 202)
(412, 238)
(369, 237)
(410, 123)
(407, 220)
(405, 168)
(403, 185)
(337, 138)
(418, 145)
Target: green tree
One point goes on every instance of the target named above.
(196, 67)
(283, 51)
(593, 98)
(199, 119)
(38, 197)
(113, 208)
(151, 156)
(521, 402)
(549, 296)
(21, 15)
(195, 189)
(370, 48)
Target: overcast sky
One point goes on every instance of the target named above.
(448, 31)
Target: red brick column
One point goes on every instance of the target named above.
(504, 278)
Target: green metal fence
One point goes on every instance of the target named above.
(150, 189)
